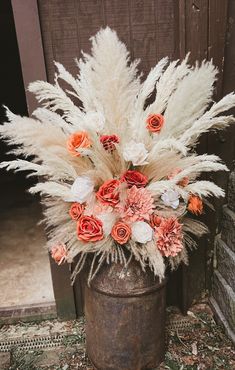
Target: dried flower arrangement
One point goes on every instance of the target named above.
(119, 173)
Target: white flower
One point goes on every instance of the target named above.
(135, 153)
(94, 121)
(171, 198)
(108, 220)
(81, 189)
(141, 232)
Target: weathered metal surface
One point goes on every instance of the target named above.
(125, 318)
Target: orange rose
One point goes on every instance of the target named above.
(155, 122)
(121, 232)
(155, 221)
(195, 205)
(78, 140)
(185, 180)
(59, 253)
(89, 229)
(76, 211)
(108, 193)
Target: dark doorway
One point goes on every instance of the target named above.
(25, 278)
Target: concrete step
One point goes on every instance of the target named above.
(228, 227)
(231, 191)
(225, 259)
(47, 343)
(225, 297)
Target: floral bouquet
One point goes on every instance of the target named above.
(115, 157)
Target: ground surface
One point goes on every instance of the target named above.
(25, 276)
(195, 342)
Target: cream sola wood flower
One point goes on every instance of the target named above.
(81, 156)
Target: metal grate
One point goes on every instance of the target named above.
(33, 343)
(179, 324)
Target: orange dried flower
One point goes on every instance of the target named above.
(195, 205)
(121, 232)
(76, 211)
(76, 141)
(108, 193)
(155, 123)
(155, 221)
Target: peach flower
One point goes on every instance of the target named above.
(76, 141)
(108, 193)
(169, 237)
(137, 206)
(89, 229)
(121, 232)
(155, 123)
(195, 204)
(109, 141)
(76, 211)
(185, 180)
(59, 253)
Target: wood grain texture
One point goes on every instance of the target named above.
(193, 38)
(218, 143)
(146, 26)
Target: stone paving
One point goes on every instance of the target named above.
(194, 342)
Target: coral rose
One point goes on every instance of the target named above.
(155, 221)
(59, 253)
(109, 141)
(195, 205)
(77, 141)
(108, 193)
(169, 237)
(134, 178)
(185, 180)
(155, 122)
(76, 211)
(121, 232)
(89, 229)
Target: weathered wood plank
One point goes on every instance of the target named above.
(30, 45)
(63, 291)
(193, 38)
(216, 143)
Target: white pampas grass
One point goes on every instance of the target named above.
(167, 84)
(195, 91)
(107, 97)
(53, 97)
(205, 189)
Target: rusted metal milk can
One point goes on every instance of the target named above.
(125, 318)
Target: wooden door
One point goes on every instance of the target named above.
(59, 30)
